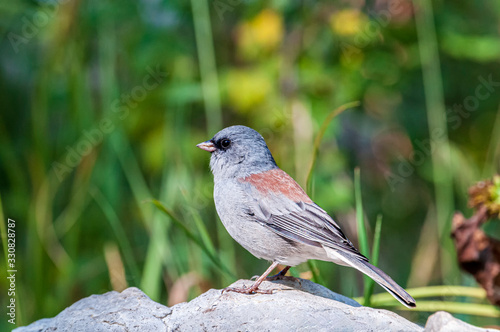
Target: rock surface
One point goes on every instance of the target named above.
(130, 310)
(294, 305)
(442, 321)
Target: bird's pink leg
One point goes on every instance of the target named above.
(255, 287)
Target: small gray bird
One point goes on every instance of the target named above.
(272, 217)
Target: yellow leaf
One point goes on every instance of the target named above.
(262, 34)
(347, 22)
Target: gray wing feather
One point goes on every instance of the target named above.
(304, 222)
(312, 226)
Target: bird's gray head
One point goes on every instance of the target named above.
(238, 151)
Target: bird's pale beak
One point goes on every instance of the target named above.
(207, 146)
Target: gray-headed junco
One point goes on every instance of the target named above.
(271, 216)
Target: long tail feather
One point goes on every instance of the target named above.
(375, 273)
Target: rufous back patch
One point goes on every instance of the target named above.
(277, 182)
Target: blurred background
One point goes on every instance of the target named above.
(102, 104)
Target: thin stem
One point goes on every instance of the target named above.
(436, 115)
(319, 137)
(374, 259)
(208, 69)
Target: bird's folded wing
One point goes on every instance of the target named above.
(278, 202)
(303, 222)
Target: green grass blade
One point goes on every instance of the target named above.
(155, 259)
(493, 149)
(319, 137)
(438, 128)
(202, 230)
(152, 272)
(208, 69)
(362, 234)
(132, 171)
(121, 236)
(211, 254)
(485, 310)
(374, 259)
(386, 300)
(435, 291)
(316, 276)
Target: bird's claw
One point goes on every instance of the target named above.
(247, 290)
(280, 277)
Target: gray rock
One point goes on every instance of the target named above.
(299, 305)
(130, 310)
(294, 305)
(442, 321)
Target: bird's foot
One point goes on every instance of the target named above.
(254, 289)
(280, 277)
(277, 276)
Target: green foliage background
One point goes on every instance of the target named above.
(89, 137)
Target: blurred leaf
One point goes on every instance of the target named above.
(255, 83)
(476, 48)
(260, 35)
(348, 22)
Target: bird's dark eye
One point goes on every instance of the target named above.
(225, 143)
